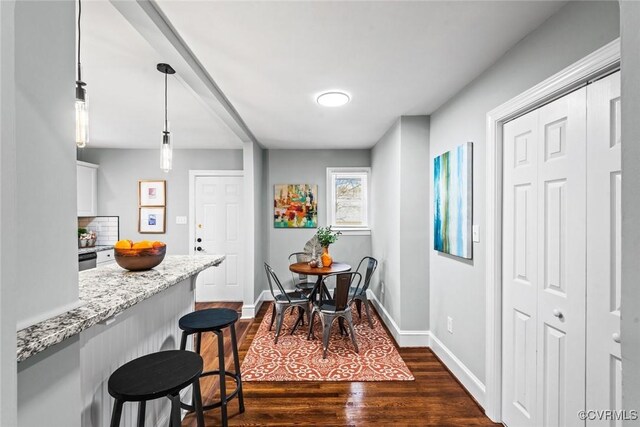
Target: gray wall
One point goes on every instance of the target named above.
(458, 287)
(309, 167)
(46, 172)
(118, 177)
(630, 35)
(400, 236)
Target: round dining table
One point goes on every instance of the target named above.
(320, 272)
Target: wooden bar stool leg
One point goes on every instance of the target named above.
(197, 403)
(183, 341)
(236, 363)
(175, 410)
(117, 413)
(223, 386)
(198, 342)
(142, 408)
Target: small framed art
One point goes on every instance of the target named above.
(152, 193)
(151, 219)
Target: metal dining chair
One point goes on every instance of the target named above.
(301, 281)
(337, 308)
(284, 300)
(360, 295)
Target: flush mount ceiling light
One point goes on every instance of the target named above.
(333, 99)
(166, 149)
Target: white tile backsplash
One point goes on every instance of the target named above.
(107, 228)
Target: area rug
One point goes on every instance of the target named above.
(295, 358)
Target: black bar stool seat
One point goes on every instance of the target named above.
(215, 320)
(156, 375)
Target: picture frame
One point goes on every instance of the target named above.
(152, 193)
(295, 206)
(152, 219)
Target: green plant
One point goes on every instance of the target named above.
(81, 231)
(326, 236)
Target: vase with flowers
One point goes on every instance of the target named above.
(326, 237)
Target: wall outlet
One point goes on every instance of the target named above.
(449, 324)
(181, 220)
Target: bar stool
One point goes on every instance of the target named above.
(215, 320)
(153, 376)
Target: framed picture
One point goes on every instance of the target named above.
(152, 193)
(453, 202)
(295, 206)
(151, 219)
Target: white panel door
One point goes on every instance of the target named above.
(544, 265)
(604, 364)
(561, 260)
(520, 271)
(218, 230)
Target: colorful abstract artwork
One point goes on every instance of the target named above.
(452, 195)
(295, 206)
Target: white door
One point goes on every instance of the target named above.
(218, 230)
(604, 364)
(544, 265)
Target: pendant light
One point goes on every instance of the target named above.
(82, 113)
(166, 149)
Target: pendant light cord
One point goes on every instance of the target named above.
(79, 36)
(166, 127)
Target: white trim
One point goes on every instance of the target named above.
(404, 338)
(249, 311)
(86, 164)
(598, 63)
(330, 196)
(469, 381)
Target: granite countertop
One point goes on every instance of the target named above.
(94, 249)
(107, 291)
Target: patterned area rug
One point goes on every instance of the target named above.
(295, 358)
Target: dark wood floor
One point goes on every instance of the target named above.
(435, 398)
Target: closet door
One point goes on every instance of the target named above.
(520, 270)
(544, 245)
(604, 364)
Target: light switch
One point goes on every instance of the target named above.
(181, 220)
(476, 233)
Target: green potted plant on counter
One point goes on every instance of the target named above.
(326, 237)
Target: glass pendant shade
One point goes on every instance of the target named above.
(166, 152)
(82, 120)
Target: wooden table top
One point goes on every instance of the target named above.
(304, 268)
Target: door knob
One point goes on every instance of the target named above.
(199, 240)
(557, 313)
(616, 337)
(199, 249)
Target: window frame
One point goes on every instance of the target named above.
(332, 173)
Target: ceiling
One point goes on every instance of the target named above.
(271, 59)
(126, 92)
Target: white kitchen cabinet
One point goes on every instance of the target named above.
(87, 187)
(105, 258)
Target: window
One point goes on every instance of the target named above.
(347, 198)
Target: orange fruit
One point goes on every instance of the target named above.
(145, 244)
(123, 244)
(158, 244)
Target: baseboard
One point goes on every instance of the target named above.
(249, 311)
(414, 338)
(469, 381)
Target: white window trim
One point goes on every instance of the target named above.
(364, 230)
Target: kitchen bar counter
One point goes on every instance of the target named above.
(106, 292)
(97, 248)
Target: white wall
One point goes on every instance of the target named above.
(308, 167)
(630, 38)
(8, 220)
(400, 237)
(457, 287)
(46, 171)
(118, 177)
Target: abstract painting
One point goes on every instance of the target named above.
(295, 206)
(452, 195)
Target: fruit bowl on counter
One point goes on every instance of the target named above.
(139, 256)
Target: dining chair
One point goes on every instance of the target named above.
(284, 300)
(360, 295)
(337, 308)
(301, 281)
